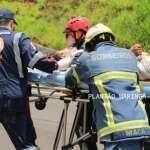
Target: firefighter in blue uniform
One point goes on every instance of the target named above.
(17, 53)
(112, 75)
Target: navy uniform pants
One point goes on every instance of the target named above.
(18, 125)
(124, 145)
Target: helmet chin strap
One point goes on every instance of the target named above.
(78, 42)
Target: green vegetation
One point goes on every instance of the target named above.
(44, 20)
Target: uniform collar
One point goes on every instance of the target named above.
(110, 43)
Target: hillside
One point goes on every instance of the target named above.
(44, 20)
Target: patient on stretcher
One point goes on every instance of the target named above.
(57, 78)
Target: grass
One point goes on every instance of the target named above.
(44, 21)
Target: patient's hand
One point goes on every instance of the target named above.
(67, 52)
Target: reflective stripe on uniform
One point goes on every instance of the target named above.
(75, 74)
(32, 148)
(139, 88)
(117, 75)
(4, 33)
(35, 59)
(127, 125)
(17, 54)
(143, 108)
(112, 126)
(106, 103)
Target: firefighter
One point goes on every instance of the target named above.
(112, 75)
(17, 53)
(75, 31)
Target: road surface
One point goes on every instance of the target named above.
(46, 124)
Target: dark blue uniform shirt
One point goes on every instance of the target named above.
(11, 85)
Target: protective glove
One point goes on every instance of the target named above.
(53, 64)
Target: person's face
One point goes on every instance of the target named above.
(137, 49)
(72, 36)
(11, 25)
(70, 40)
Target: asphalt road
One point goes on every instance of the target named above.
(46, 123)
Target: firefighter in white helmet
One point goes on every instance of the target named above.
(112, 75)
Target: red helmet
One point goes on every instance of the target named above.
(78, 23)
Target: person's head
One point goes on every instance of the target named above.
(75, 31)
(97, 34)
(137, 49)
(7, 19)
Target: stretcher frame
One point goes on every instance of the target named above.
(62, 128)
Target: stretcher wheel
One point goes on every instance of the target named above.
(41, 104)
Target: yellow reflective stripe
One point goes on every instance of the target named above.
(123, 126)
(75, 74)
(115, 127)
(99, 79)
(106, 103)
(138, 89)
(143, 108)
(141, 86)
(117, 75)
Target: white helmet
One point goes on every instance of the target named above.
(96, 30)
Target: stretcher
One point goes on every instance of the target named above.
(55, 83)
(56, 80)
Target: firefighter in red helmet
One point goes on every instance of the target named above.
(75, 31)
(77, 28)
